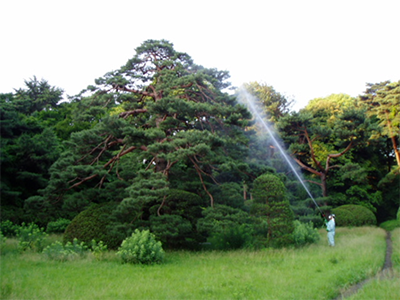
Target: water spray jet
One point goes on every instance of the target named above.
(250, 102)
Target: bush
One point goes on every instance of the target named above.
(173, 231)
(8, 228)
(141, 248)
(69, 251)
(390, 225)
(92, 224)
(58, 226)
(354, 215)
(305, 233)
(31, 237)
(230, 238)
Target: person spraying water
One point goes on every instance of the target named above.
(330, 228)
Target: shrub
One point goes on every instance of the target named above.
(92, 224)
(390, 225)
(304, 233)
(58, 226)
(354, 215)
(173, 231)
(230, 238)
(69, 251)
(141, 248)
(31, 237)
(8, 228)
(398, 214)
(175, 227)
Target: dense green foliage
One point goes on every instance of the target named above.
(8, 228)
(58, 226)
(141, 248)
(162, 139)
(271, 203)
(305, 233)
(390, 225)
(92, 224)
(354, 215)
(31, 237)
(227, 228)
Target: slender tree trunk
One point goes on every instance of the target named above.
(394, 140)
(396, 150)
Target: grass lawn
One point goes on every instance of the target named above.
(384, 288)
(313, 272)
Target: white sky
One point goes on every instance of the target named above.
(305, 49)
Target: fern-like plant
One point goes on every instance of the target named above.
(69, 251)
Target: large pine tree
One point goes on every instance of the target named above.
(158, 118)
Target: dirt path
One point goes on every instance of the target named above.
(386, 271)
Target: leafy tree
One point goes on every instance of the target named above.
(383, 102)
(317, 138)
(274, 104)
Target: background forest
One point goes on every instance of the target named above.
(160, 144)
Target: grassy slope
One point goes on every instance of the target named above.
(314, 272)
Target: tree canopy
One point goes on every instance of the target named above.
(161, 142)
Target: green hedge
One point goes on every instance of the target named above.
(354, 215)
(390, 225)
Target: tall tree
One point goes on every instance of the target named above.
(158, 112)
(317, 138)
(271, 202)
(383, 102)
(274, 104)
(37, 96)
(28, 146)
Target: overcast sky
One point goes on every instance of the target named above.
(304, 49)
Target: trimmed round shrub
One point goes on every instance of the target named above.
(92, 224)
(390, 225)
(141, 248)
(354, 215)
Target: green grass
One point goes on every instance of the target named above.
(384, 288)
(313, 272)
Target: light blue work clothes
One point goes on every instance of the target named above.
(330, 227)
